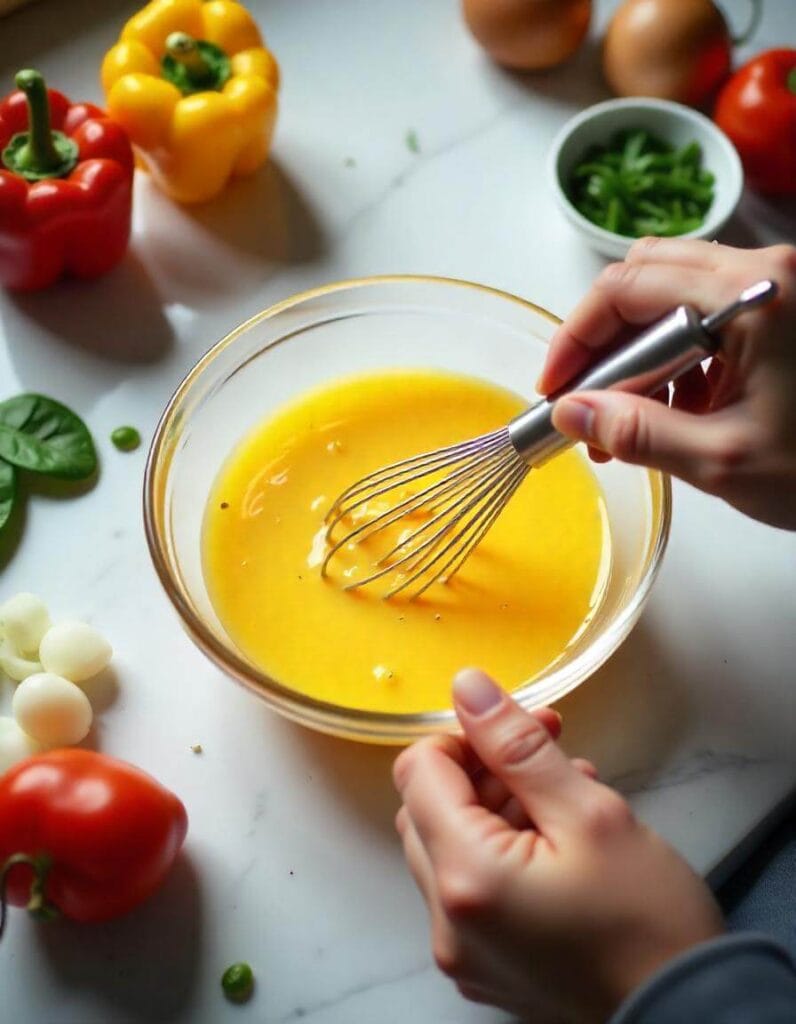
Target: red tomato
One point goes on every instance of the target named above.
(757, 109)
(85, 834)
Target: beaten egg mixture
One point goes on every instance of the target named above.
(512, 609)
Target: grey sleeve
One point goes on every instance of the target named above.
(736, 979)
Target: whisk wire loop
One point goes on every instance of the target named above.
(482, 518)
(418, 465)
(464, 487)
(454, 492)
(472, 497)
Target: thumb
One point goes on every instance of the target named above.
(642, 431)
(516, 748)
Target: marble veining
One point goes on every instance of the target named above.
(338, 1002)
(697, 765)
(419, 162)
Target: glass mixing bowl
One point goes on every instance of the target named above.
(373, 323)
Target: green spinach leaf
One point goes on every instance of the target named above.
(8, 491)
(41, 435)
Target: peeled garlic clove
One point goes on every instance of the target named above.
(74, 650)
(14, 665)
(15, 745)
(24, 619)
(52, 710)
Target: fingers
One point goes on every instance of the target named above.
(692, 391)
(690, 252)
(495, 795)
(519, 751)
(443, 938)
(626, 295)
(416, 856)
(550, 719)
(598, 455)
(700, 450)
(585, 767)
(435, 786)
(440, 776)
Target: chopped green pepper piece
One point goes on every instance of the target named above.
(639, 184)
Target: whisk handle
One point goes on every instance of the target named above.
(660, 355)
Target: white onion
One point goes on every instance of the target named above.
(24, 620)
(74, 650)
(52, 710)
(15, 745)
(14, 665)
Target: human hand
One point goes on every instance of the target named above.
(560, 905)
(743, 445)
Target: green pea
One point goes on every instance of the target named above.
(126, 438)
(237, 982)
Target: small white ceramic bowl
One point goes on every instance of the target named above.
(672, 122)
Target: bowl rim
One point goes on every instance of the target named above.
(716, 217)
(326, 716)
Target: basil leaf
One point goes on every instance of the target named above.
(41, 435)
(8, 491)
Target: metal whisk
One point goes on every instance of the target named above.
(459, 491)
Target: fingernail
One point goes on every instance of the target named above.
(475, 691)
(574, 418)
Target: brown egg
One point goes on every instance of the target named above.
(529, 35)
(673, 49)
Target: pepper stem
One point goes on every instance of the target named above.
(183, 48)
(39, 152)
(38, 904)
(790, 81)
(194, 65)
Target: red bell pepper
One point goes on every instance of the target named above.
(84, 835)
(757, 109)
(66, 177)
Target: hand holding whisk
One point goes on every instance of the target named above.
(443, 502)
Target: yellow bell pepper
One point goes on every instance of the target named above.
(196, 90)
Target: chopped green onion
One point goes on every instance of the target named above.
(641, 185)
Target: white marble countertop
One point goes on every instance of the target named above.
(291, 861)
